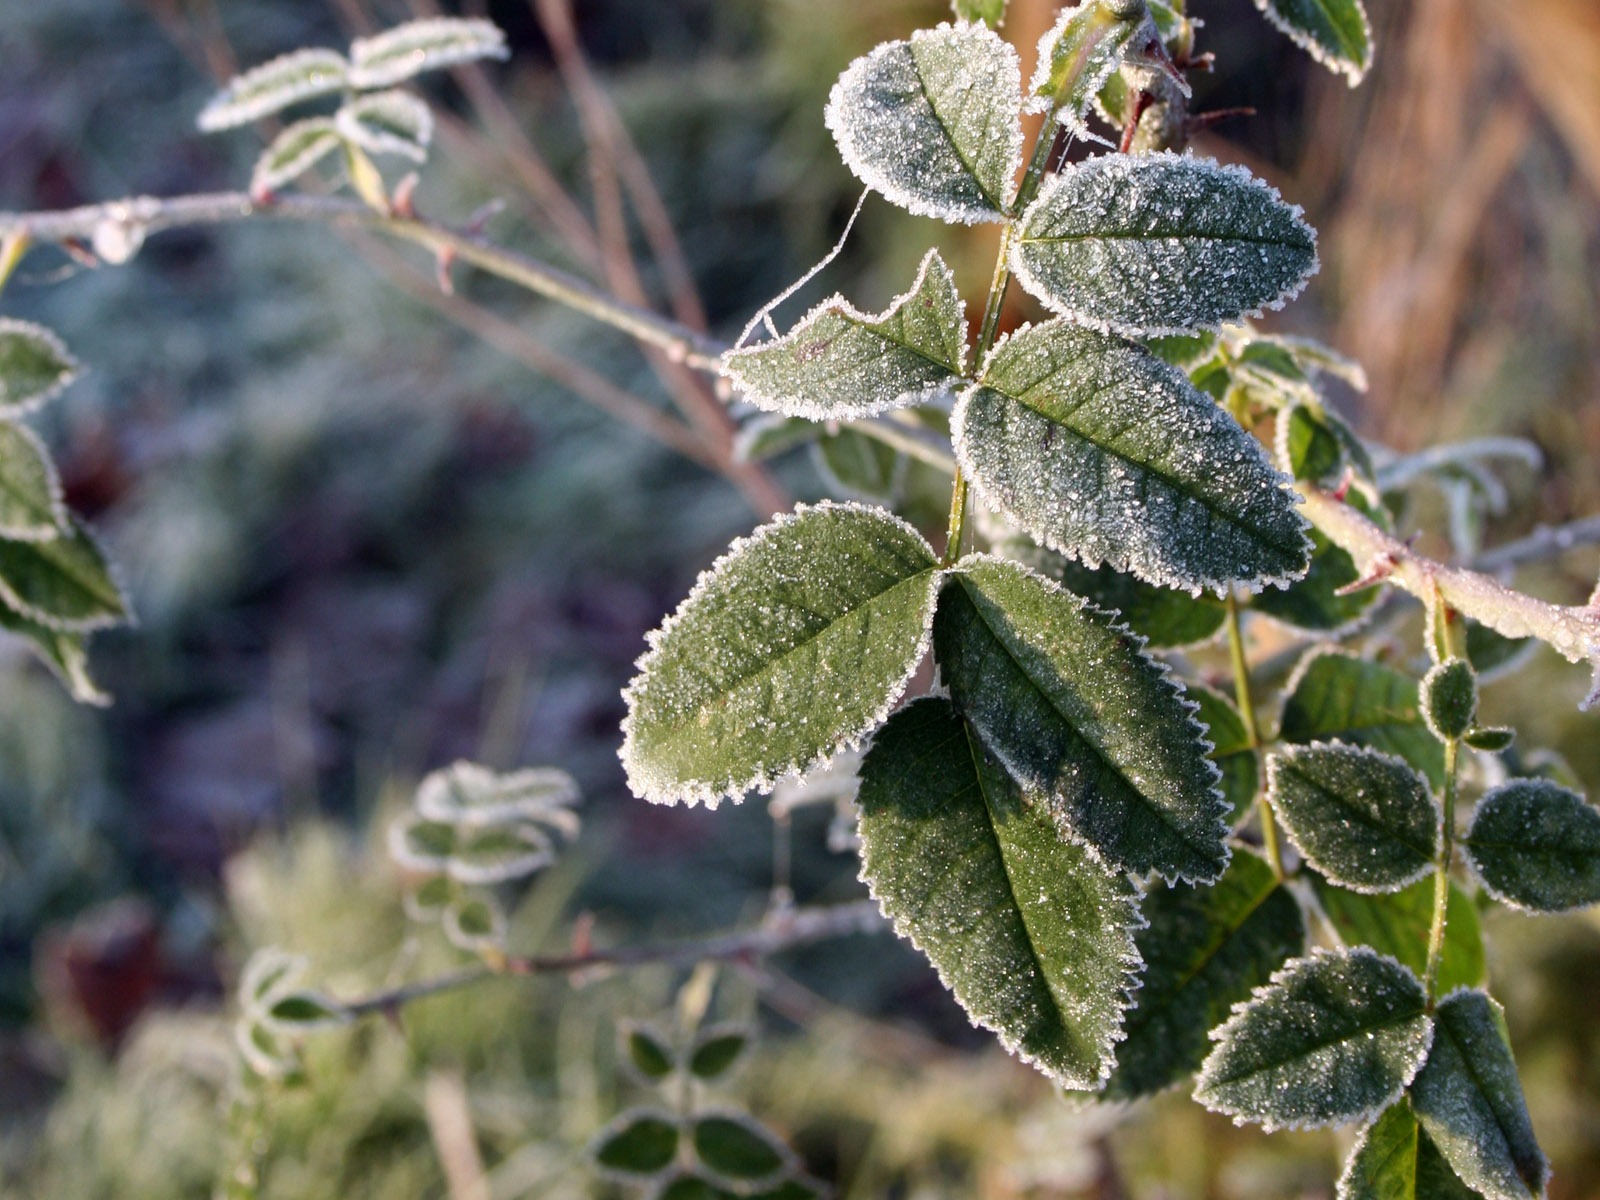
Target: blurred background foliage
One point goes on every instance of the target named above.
(364, 540)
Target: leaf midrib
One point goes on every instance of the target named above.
(1362, 818)
(968, 164)
(1471, 1071)
(1305, 1051)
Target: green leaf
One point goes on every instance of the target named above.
(690, 1185)
(397, 54)
(1315, 444)
(650, 1053)
(465, 792)
(1334, 1037)
(1469, 1100)
(716, 1050)
(392, 122)
(1099, 450)
(1536, 846)
(1492, 740)
(1493, 655)
(1394, 1159)
(65, 584)
(857, 466)
(301, 1012)
(1315, 602)
(1182, 350)
(638, 1143)
(34, 366)
(839, 362)
(66, 654)
(295, 150)
(475, 923)
(30, 493)
(419, 844)
(989, 12)
(274, 86)
(268, 973)
(429, 899)
(1230, 750)
(1082, 52)
(1031, 934)
(1160, 243)
(1364, 819)
(1205, 949)
(766, 435)
(1398, 924)
(1450, 698)
(792, 647)
(498, 853)
(1337, 697)
(735, 1147)
(1082, 717)
(1334, 32)
(932, 123)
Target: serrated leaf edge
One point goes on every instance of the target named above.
(1472, 862)
(72, 368)
(1353, 72)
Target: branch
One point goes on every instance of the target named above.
(1573, 631)
(1545, 542)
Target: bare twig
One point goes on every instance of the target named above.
(1545, 542)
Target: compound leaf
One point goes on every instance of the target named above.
(34, 366)
(397, 54)
(932, 122)
(649, 1052)
(1394, 1159)
(1098, 449)
(1032, 935)
(1398, 923)
(475, 922)
(1083, 718)
(30, 492)
(1536, 846)
(1364, 819)
(1335, 696)
(392, 122)
(1332, 1038)
(1334, 32)
(791, 647)
(274, 86)
(839, 363)
(638, 1143)
(296, 149)
(64, 584)
(1205, 949)
(1160, 243)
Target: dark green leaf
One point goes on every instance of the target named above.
(932, 123)
(1536, 846)
(839, 362)
(792, 647)
(1469, 1100)
(1493, 740)
(1450, 698)
(274, 86)
(1394, 1159)
(34, 366)
(1079, 714)
(649, 1052)
(637, 1143)
(716, 1050)
(397, 54)
(1397, 924)
(1364, 819)
(65, 584)
(1492, 654)
(859, 467)
(66, 654)
(1099, 450)
(475, 923)
(1315, 602)
(30, 494)
(1333, 1037)
(296, 149)
(735, 1147)
(1182, 350)
(693, 1186)
(1204, 949)
(1160, 243)
(419, 844)
(1230, 750)
(1031, 934)
(301, 1011)
(1335, 32)
(1335, 696)
(1308, 446)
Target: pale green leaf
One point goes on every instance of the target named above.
(1078, 713)
(1394, 1159)
(839, 362)
(65, 654)
(30, 493)
(1159, 243)
(392, 122)
(1205, 949)
(733, 1146)
(429, 899)
(1334, 696)
(792, 647)
(1316, 602)
(1082, 51)
(1099, 450)
(1032, 935)
(989, 12)
(274, 86)
(499, 853)
(1469, 1100)
(1335, 32)
(1536, 846)
(1450, 698)
(466, 793)
(1230, 749)
(476, 923)
(1333, 1038)
(1182, 350)
(716, 1050)
(397, 54)
(1397, 924)
(766, 435)
(295, 150)
(66, 584)
(1364, 819)
(419, 844)
(269, 973)
(34, 366)
(638, 1143)
(932, 123)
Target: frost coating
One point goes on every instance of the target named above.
(1536, 846)
(31, 509)
(391, 122)
(406, 50)
(1080, 715)
(793, 646)
(1364, 819)
(295, 150)
(66, 584)
(932, 123)
(1081, 52)
(1101, 451)
(1333, 1037)
(34, 366)
(1394, 1158)
(264, 90)
(839, 363)
(1161, 243)
(1332, 695)
(1334, 32)
(1033, 936)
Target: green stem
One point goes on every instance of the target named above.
(1252, 732)
(1441, 877)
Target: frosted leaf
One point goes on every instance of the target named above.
(767, 435)
(1394, 1159)
(717, 1050)
(65, 654)
(397, 54)
(858, 467)
(648, 1052)
(419, 844)
(468, 793)
(932, 123)
(1364, 819)
(1083, 718)
(732, 1146)
(295, 150)
(636, 1146)
(1334, 1037)
(1318, 602)
(1033, 936)
(1230, 749)
(66, 584)
(1161, 243)
(499, 853)
(839, 362)
(262, 1050)
(268, 974)
(1083, 50)
(34, 366)
(793, 646)
(475, 923)
(1398, 924)
(392, 122)
(1450, 698)
(990, 12)
(1204, 949)
(1312, 358)
(1536, 846)
(1334, 32)
(1469, 1100)
(1336, 696)
(1098, 449)
(273, 86)
(30, 493)
(298, 1012)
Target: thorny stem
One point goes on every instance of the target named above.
(1441, 875)
(1252, 732)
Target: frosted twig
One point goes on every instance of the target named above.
(1546, 542)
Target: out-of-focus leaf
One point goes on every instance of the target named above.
(295, 150)
(392, 122)
(1334, 32)
(1394, 1159)
(1334, 696)
(66, 584)
(397, 54)
(274, 86)
(34, 366)
(1397, 924)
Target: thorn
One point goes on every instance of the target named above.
(405, 194)
(263, 197)
(1380, 569)
(443, 261)
(476, 222)
(78, 251)
(1130, 127)
(583, 934)
(1345, 480)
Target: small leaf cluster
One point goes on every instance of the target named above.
(375, 116)
(276, 1011)
(469, 829)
